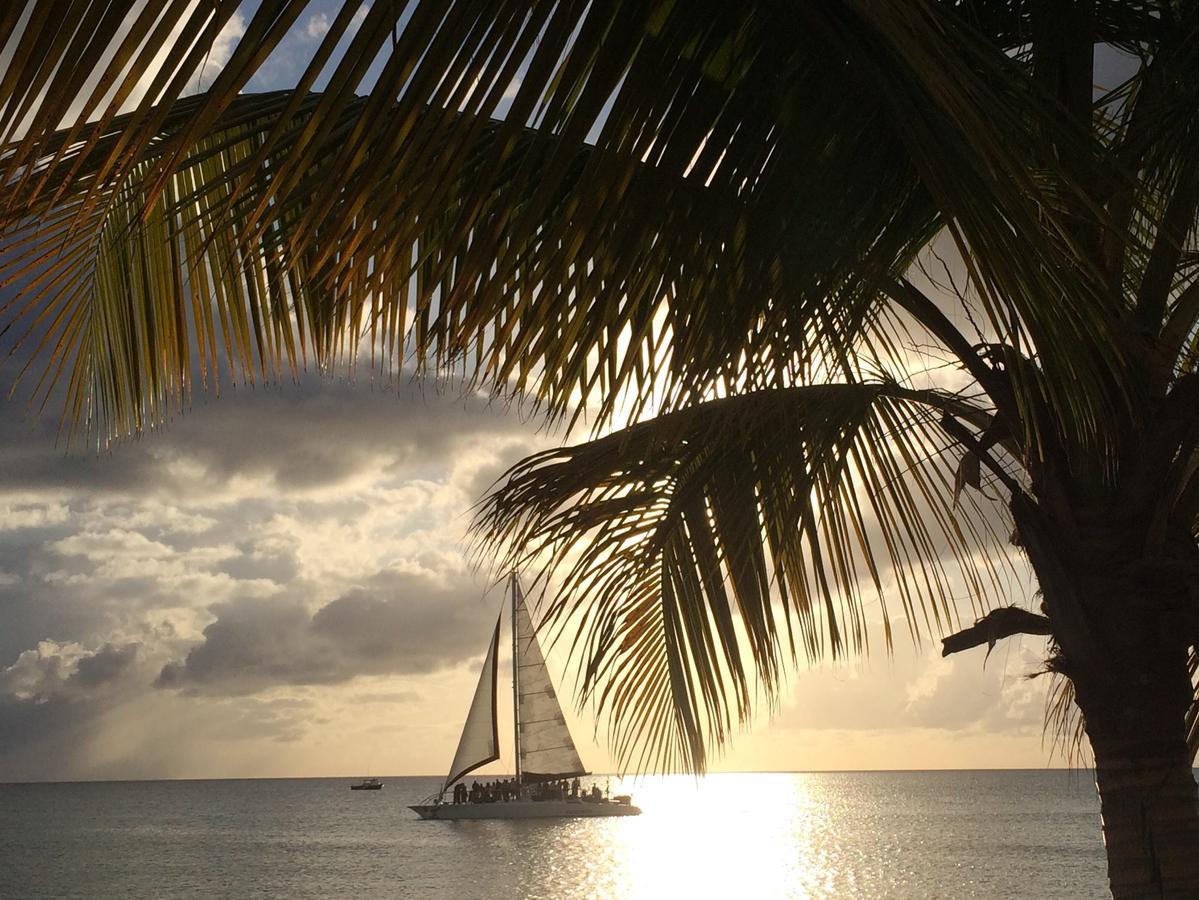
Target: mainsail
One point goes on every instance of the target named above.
(546, 748)
(480, 741)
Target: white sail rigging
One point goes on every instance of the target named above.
(480, 741)
(545, 747)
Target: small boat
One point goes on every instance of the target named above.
(367, 784)
(545, 758)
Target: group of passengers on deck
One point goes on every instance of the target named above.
(511, 789)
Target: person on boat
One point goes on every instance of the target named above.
(574, 789)
(595, 792)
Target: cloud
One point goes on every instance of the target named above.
(399, 624)
(53, 670)
(317, 27)
(222, 49)
(962, 692)
(105, 666)
(32, 513)
(925, 691)
(263, 441)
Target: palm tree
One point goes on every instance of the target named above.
(707, 223)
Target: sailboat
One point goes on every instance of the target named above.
(545, 756)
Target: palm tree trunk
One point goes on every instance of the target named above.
(1123, 640)
(1148, 795)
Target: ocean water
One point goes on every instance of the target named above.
(893, 834)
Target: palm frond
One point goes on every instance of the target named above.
(79, 64)
(680, 199)
(1064, 723)
(123, 304)
(697, 554)
(1169, 183)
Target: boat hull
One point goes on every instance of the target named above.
(526, 809)
(366, 787)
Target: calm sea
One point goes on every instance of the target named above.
(905, 834)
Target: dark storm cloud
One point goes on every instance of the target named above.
(56, 670)
(50, 724)
(52, 695)
(400, 623)
(51, 729)
(104, 666)
(296, 437)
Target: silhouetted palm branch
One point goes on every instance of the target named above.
(700, 551)
(762, 220)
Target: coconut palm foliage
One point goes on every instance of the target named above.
(702, 218)
(680, 533)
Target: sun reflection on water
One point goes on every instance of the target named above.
(722, 836)
(738, 835)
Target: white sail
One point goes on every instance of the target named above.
(546, 748)
(480, 741)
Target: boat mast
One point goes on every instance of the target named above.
(515, 683)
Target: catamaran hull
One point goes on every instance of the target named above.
(526, 809)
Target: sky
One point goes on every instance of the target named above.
(278, 584)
